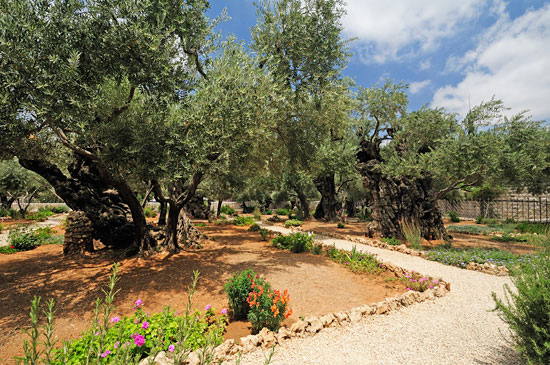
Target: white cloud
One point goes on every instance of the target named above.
(415, 87)
(390, 30)
(425, 64)
(511, 62)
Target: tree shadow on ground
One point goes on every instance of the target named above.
(504, 354)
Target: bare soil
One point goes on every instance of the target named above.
(316, 285)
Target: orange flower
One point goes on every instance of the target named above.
(273, 308)
(287, 314)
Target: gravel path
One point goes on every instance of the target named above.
(456, 329)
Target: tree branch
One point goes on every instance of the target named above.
(198, 65)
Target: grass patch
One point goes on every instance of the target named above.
(293, 223)
(243, 221)
(200, 224)
(392, 241)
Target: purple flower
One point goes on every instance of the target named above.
(224, 311)
(145, 325)
(207, 308)
(105, 353)
(138, 303)
(171, 348)
(139, 340)
(116, 345)
(115, 319)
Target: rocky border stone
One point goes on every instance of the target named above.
(486, 268)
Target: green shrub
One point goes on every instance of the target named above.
(275, 218)
(257, 213)
(238, 288)
(7, 250)
(461, 257)
(222, 222)
(538, 228)
(508, 238)
(453, 215)
(243, 221)
(317, 249)
(367, 217)
(40, 216)
(392, 241)
(283, 211)
(23, 240)
(355, 261)
(264, 233)
(226, 209)
(293, 223)
(526, 309)
(12, 213)
(200, 224)
(269, 212)
(149, 212)
(1, 227)
(479, 219)
(340, 225)
(295, 242)
(268, 308)
(412, 233)
(57, 209)
(254, 228)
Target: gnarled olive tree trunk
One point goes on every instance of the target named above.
(398, 199)
(87, 191)
(328, 206)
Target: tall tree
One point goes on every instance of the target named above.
(300, 42)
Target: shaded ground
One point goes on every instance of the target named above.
(460, 240)
(316, 284)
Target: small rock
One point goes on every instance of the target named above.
(314, 326)
(407, 299)
(298, 327)
(192, 359)
(249, 343)
(224, 350)
(383, 308)
(355, 316)
(327, 319)
(341, 317)
(284, 333)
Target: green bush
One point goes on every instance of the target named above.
(254, 228)
(268, 212)
(264, 233)
(526, 309)
(23, 240)
(538, 228)
(12, 213)
(508, 238)
(355, 261)
(238, 288)
(7, 250)
(295, 242)
(268, 308)
(367, 217)
(340, 225)
(293, 223)
(40, 216)
(200, 224)
(257, 213)
(243, 221)
(226, 209)
(149, 212)
(461, 257)
(283, 211)
(392, 241)
(479, 219)
(56, 209)
(317, 249)
(275, 219)
(453, 215)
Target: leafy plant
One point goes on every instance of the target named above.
(243, 221)
(283, 211)
(391, 241)
(238, 288)
(461, 257)
(200, 224)
(293, 223)
(453, 215)
(538, 228)
(526, 309)
(40, 216)
(415, 282)
(508, 238)
(254, 228)
(226, 209)
(317, 249)
(268, 308)
(340, 225)
(355, 261)
(57, 209)
(295, 242)
(268, 212)
(275, 218)
(149, 212)
(264, 233)
(411, 231)
(23, 240)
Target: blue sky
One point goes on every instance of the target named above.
(452, 53)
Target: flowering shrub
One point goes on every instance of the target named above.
(238, 288)
(127, 340)
(416, 282)
(295, 242)
(268, 308)
(461, 257)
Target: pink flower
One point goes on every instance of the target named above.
(115, 319)
(435, 281)
(208, 307)
(117, 344)
(105, 353)
(408, 289)
(224, 311)
(139, 340)
(96, 334)
(138, 303)
(171, 348)
(145, 325)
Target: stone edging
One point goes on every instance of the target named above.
(486, 268)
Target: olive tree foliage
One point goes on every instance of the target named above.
(18, 185)
(122, 85)
(300, 43)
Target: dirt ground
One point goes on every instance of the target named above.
(316, 284)
(460, 240)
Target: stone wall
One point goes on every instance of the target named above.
(78, 235)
